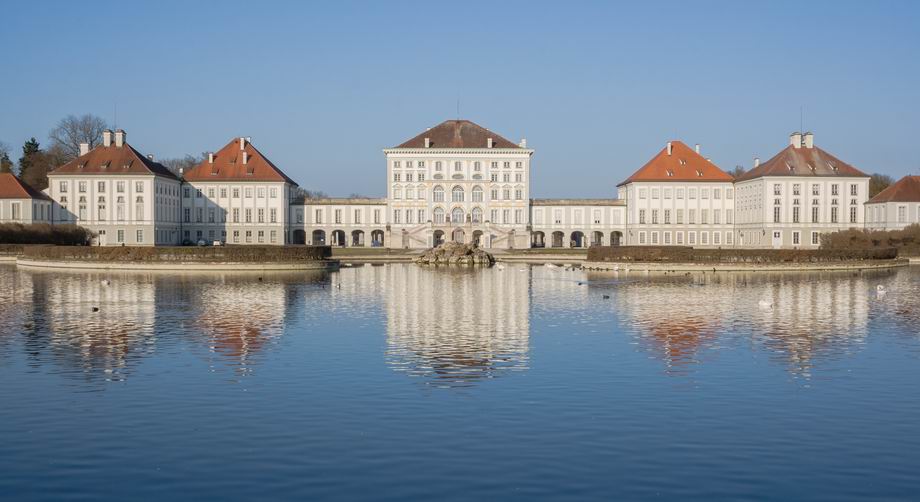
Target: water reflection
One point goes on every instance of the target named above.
(455, 327)
(797, 319)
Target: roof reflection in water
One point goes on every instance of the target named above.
(683, 320)
(455, 327)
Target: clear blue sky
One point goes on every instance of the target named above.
(596, 88)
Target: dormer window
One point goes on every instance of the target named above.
(670, 173)
(790, 167)
(105, 165)
(683, 162)
(82, 165)
(699, 173)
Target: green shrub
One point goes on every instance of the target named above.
(43, 233)
(906, 240)
(690, 255)
(224, 254)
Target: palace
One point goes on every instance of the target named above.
(460, 182)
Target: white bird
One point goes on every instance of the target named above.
(500, 266)
(347, 265)
(106, 282)
(766, 304)
(549, 265)
(880, 288)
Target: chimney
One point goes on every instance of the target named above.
(107, 138)
(809, 140)
(150, 157)
(756, 161)
(242, 143)
(795, 139)
(669, 148)
(427, 142)
(523, 143)
(489, 143)
(697, 148)
(181, 171)
(84, 149)
(119, 138)
(210, 157)
(245, 157)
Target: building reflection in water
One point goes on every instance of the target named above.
(456, 327)
(803, 318)
(88, 323)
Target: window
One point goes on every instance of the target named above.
(187, 215)
(777, 189)
(643, 192)
(854, 190)
(437, 166)
(260, 236)
(814, 214)
(716, 238)
(691, 238)
(248, 215)
(236, 215)
(729, 194)
(477, 166)
(834, 215)
(477, 193)
(815, 190)
(337, 216)
(260, 193)
(679, 238)
(704, 238)
(815, 240)
(81, 187)
(641, 217)
(376, 216)
(506, 194)
(458, 166)
(775, 215)
(641, 237)
(835, 188)
(557, 216)
(236, 193)
(456, 194)
(438, 194)
(397, 193)
(140, 236)
(421, 176)
(248, 192)
(704, 193)
(902, 214)
(728, 216)
(120, 236)
(476, 215)
(667, 193)
(100, 187)
(716, 217)
(654, 216)
(680, 216)
(691, 193)
(494, 194)
(654, 193)
(518, 216)
(691, 216)
(273, 215)
(597, 216)
(223, 193)
(211, 214)
(260, 215)
(680, 193)
(506, 165)
(318, 216)
(248, 236)
(211, 193)
(421, 216)
(654, 238)
(456, 216)
(438, 215)
(716, 193)
(62, 186)
(795, 238)
(796, 189)
(397, 176)
(795, 214)
(853, 214)
(667, 238)
(518, 194)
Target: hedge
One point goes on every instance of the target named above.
(219, 254)
(43, 233)
(690, 255)
(906, 240)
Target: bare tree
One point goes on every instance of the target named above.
(181, 165)
(303, 193)
(879, 182)
(73, 130)
(737, 172)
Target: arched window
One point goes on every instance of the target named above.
(438, 194)
(456, 216)
(438, 215)
(477, 215)
(477, 193)
(456, 194)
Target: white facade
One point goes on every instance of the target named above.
(136, 210)
(698, 214)
(892, 215)
(25, 211)
(792, 212)
(465, 194)
(235, 212)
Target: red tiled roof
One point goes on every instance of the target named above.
(12, 187)
(907, 189)
(458, 134)
(683, 164)
(804, 162)
(228, 166)
(114, 160)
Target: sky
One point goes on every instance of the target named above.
(597, 88)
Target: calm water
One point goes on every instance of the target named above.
(405, 383)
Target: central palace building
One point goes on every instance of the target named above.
(456, 181)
